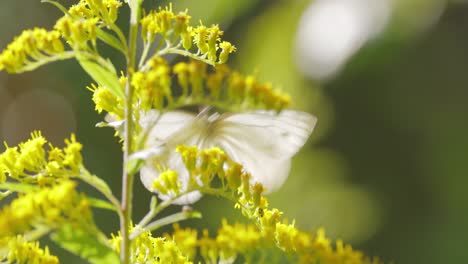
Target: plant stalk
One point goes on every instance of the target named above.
(128, 178)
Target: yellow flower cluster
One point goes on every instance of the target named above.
(36, 47)
(31, 46)
(228, 87)
(247, 241)
(49, 207)
(220, 87)
(147, 249)
(235, 184)
(29, 162)
(167, 182)
(105, 100)
(203, 166)
(19, 250)
(186, 239)
(230, 242)
(78, 31)
(105, 9)
(154, 87)
(173, 27)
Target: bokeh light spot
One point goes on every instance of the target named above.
(38, 109)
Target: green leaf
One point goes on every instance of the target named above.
(58, 5)
(101, 204)
(103, 76)
(18, 187)
(85, 245)
(111, 40)
(95, 181)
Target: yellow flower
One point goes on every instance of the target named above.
(49, 206)
(33, 45)
(33, 156)
(153, 88)
(226, 49)
(167, 182)
(105, 100)
(78, 31)
(200, 38)
(73, 159)
(19, 250)
(148, 249)
(186, 239)
(225, 88)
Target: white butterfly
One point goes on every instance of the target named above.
(262, 141)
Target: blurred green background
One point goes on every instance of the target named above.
(386, 168)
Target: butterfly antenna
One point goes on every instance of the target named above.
(204, 110)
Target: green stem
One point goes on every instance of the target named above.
(35, 64)
(155, 210)
(186, 54)
(144, 54)
(176, 50)
(127, 178)
(37, 233)
(170, 219)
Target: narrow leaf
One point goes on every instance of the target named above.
(85, 245)
(101, 75)
(111, 40)
(58, 5)
(101, 204)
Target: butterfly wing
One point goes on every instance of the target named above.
(162, 126)
(168, 130)
(263, 142)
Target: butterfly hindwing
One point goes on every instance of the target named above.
(263, 142)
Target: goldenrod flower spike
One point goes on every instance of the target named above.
(180, 155)
(213, 165)
(225, 89)
(81, 9)
(178, 36)
(78, 31)
(31, 49)
(153, 88)
(17, 249)
(35, 161)
(51, 207)
(147, 249)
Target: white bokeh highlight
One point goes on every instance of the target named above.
(331, 31)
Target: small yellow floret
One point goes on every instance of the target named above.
(72, 158)
(21, 251)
